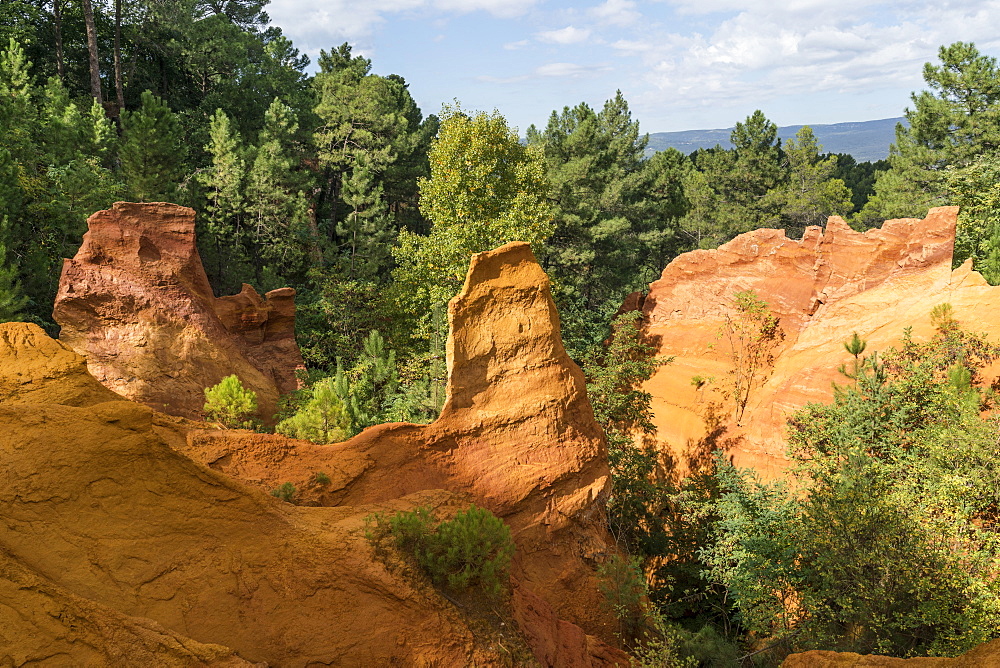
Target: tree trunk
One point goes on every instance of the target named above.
(57, 14)
(95, 69)
(119, 94)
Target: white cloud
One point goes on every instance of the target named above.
(568, 70)
(615, 12)
(499, 8)
(549, 71)
(567, 35)
(632, 47)
(803, 48)
(514, 46)
(316, 24)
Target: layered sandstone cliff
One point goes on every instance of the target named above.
(136, 303)
(147, 547)
(826, 286)
(517, 434)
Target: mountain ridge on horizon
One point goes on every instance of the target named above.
(863, 140)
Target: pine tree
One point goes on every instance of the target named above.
(811, 194)
(152, 153)
(738, 190)
(952, 125)
(225, 214)
(12, 301)
(367, 230)
(612, 222)
(17, 109)
(276, 203)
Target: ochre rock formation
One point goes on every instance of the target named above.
(114, 548)
(517, 434)
(39, 370)
(136, 303)
(984, 656)
(43, 624)
(108, 518)
(824, 287)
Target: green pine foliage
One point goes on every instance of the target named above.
(285, 491)
(734, 191)
(55, 170)
(976, 189)
(12, 301)
(283, 239)
(366, 229)
(812, 192)
(951, 126)
(473, 549)
(323, 418)
(230, 404)
(615, 213)
(152, 152)
(347, 402)
(638, 493)
(223, 222)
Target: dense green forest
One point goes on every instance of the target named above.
(337, 184)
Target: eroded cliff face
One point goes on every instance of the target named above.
(517, 435)
(136, 303)
(112, 515)
(824, 287)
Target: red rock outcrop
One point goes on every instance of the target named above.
(984, 656)
(98, 507)
(824, 287)
(136, 303)
(517, 434)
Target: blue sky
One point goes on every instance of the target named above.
(681, 64)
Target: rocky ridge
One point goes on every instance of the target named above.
(109, 519)
(517, 434)
(984, 656)
(136, 303)
(826, 286)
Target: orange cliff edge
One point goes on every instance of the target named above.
(136, 303)
(824, 287)
(141, 537)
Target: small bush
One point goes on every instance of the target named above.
(474, 549)
(231, 404)
(285, 491)
(322, 419)
(321, 478)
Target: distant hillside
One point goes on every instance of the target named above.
(865, 140)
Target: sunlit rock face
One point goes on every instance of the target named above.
(824, 287)
(517, 435)
(136, 303)
(160, 531)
